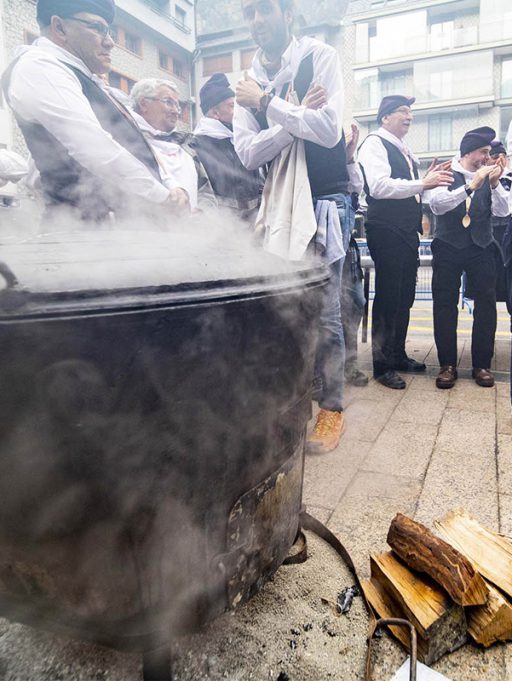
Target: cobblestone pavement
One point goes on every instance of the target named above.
(422, 451)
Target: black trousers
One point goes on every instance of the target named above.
(396, 269)
(448, 264)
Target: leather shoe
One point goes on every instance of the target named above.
(483, 377)
(447, 377)
(356, 377)
(411, 366)
(391, 379)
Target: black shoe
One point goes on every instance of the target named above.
(391, 380)
(410, 366)
(356, 377)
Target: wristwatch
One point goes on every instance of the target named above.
(265, 101)
(468, 189)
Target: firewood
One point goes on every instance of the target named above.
(490, 553)
(493, 621)
(380, 602)
(436, 618)
(423, 551)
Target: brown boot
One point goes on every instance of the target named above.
(483, 377)
(326, 435)
(447, 377)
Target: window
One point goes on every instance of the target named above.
(164, 61)
(178, 68)
(181, 15)
(219, 63)
(506, 78)
(121, 82)
(29, 37)
(454, 77)
(127, 40)
(441, 35)
(395, 81)
(172, 65)
(246, 57)
(440, 133)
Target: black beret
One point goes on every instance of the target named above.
(46, 9)
(391, 103)
(476, 139)
(214, 91)
(497, 148)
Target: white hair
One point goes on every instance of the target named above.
(148, 87)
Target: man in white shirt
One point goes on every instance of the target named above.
(463, 242)
(90, 154)
(155, 106)
(393, 192)
(266, 122)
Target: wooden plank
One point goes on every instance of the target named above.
(490, 553)
(429, 651)
(491, 622)
(421, 550)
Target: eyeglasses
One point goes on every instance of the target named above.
(166, 101)
(101, 29)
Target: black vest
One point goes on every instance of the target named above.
(403, 216)
(229, 178)
(327, 168)
(449, 227)
(63, 179)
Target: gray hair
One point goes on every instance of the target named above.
(148, 87)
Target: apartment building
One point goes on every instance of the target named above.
(454, 56)
(154, 39)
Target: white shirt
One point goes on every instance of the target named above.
(442, 200)
(373, 157)
(43, 90)
(13, 167)
(508, 142)
(256, 147)
(177, 168)
(355, 178)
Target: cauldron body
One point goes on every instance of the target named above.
(151, 445)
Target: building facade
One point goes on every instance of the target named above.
(154, 39)
(454, 56)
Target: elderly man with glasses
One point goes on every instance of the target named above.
(91, 156)
(156, 109)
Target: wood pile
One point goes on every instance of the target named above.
(448, 586)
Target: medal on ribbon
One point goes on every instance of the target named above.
(466, 220)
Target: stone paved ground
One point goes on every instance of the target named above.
(422, 451)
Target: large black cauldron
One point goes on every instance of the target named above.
(153, 407)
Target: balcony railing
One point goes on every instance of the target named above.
(381, 48)
(159, 10)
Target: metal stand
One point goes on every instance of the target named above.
(157, 665)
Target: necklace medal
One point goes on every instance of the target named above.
(466, 220)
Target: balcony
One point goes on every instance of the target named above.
(432, 81)
(155, 16)
(408, 36)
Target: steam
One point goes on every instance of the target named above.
(128, 434)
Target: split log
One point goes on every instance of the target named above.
(423, 551)
(493, 621)
(490, 553)
(439, 621)
(379, 601)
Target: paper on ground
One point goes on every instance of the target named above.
(423, 673)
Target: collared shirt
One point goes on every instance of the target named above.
(373, 158)
(255, 146)
(177, 168)
(43, 90)
(442, 200)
